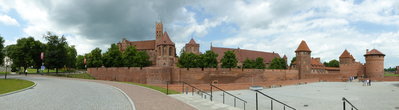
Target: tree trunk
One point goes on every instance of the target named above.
(37, 70)
(48, 70)
(26, 73)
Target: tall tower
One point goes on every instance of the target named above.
(192, 47)
(374, 64)
(158, 30)
(303, 58)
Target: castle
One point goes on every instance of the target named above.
(162, 53)
(162, 50)
(373, 68)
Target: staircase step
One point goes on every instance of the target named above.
(201, 103)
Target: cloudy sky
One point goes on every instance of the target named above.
(328, 26)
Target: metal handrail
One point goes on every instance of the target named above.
(235, 97)
(285, 105)
(192, 87)
(346, 100)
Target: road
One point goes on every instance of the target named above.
(52, 93)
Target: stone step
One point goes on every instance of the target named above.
(201, 103)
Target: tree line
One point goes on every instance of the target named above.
(229, 60)
(27, 53)
(113, 57)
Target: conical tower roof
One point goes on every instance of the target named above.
(345, 54)
(303, 47)
(374, 52)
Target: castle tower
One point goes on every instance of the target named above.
(374, 64)
(158, 30)
(346, 58)
(166, 53)
(192, 47)
(303, 59)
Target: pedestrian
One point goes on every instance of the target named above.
(364, 82)
(370, 82)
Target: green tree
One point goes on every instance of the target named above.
(209, 59)
(79, 64)
(248, 63)
(128, 56)
(292, 61)
(332, 63)
(142, 59)
(22, 53)
(37, 48)
(56, 51)
(2, 53)
(259, 64)
(113, 57)
(188, 60)
(229, 60)
(278, 63)
(94, 58)
(71, 56)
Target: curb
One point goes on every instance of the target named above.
(13, 92)
(130, 100)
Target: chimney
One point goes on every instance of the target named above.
(367, 51)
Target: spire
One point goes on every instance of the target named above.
(303, 47)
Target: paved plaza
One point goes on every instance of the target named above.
(323, 96)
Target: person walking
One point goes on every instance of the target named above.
(369, 82)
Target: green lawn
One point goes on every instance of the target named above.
(4, 72)
(80, 76)
(31, 70)
(391, 74)
(163, 90)
(9, 85)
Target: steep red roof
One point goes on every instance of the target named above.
(166, 40)
(192, 41)
(303, 47)
(346, 54)
(243, 54)
(140, 45)
(374, 52)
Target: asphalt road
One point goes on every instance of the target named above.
(62, 94)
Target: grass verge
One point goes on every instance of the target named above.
(80, 76)
(4, 72)
(391, 74)
(160, 89)
(9, 85)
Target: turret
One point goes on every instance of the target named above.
(374, 64)
(303, 59)
(192, 47)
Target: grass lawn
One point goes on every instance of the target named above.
(81, 76)
(4, 72)
(31, 70)
(9, 85)
(163, 90)
(391, 74)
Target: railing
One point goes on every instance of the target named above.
(344, 100)
(185, 89)
(224, 92)
(271, 101)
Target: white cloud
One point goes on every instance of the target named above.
(7, 20)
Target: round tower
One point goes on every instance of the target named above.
(374, 64)
(303, 58)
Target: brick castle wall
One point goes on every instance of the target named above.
(158, 75)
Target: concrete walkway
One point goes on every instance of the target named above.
(53, 93)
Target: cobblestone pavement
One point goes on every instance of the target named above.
(52, 93)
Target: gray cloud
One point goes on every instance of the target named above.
(108, 21)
